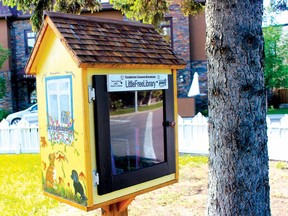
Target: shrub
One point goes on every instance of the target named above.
(2, 87)
(3, 114)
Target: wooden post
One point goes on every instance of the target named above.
(117, 209)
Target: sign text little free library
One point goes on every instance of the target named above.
(136, 82)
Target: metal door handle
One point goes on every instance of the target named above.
(171, 124)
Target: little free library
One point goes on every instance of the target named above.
(107, 105)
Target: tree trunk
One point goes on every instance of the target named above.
(238, 157)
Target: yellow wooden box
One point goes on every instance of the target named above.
(71, 51)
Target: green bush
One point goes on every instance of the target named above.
(117, 104)
(4, 54)
(3, 114)
(2, 87)
(204, 112)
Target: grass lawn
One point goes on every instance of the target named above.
(21, 190)
(277, 111)
(21, 186)
(271, 111)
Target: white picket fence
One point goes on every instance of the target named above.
(193, 137)
(20, 138)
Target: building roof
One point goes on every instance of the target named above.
(101, 42)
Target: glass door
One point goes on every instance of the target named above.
(134, 138)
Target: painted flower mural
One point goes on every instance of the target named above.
(60, 133)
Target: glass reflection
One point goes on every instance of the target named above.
(136, 130)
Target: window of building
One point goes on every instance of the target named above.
(31, 88)
(167, 30)
(30, 39)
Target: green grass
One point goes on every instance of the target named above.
(192, 161)
(270, 111)
(277, 111)
(281, 165)
(21, 186)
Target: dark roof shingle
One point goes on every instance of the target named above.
(102, 41)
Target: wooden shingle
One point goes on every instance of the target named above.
(96, 41)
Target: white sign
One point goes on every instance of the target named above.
(136, 82)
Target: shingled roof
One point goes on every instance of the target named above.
(95, 42)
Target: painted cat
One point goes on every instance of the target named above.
(51, 171)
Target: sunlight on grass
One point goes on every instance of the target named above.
(192, 161)
(281, 165)
(21, 186)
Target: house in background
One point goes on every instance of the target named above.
(18, 37)
(5, 72)
(188, 39)
(186, 35)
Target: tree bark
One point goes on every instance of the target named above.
(238, 155)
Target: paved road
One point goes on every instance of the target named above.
(139, 134)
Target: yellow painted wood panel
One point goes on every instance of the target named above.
(63, 160)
